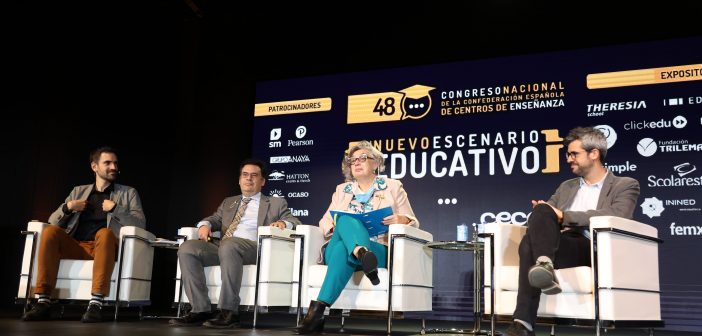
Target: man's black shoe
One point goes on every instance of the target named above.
(190, 319)
(518, 329)
(93, 314)
(225, 319)
(39, 312)
(542, 276)
(369, 263)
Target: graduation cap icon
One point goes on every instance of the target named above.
(416, 101)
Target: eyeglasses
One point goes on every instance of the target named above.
(252, 175)
(574, 154)
(352, 159)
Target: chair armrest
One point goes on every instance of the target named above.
(410, 231)
(189, 232)
(627, 259)
(507, 238)
(309, 249)
(623, 224)
(274, 231)
(34, 228)
(412, 261)
(136, 231)
(135, 257)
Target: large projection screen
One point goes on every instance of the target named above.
(475, 141)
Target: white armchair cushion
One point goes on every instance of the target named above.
(412, 278)
(275, 288)
(74, 278)
(628, 275)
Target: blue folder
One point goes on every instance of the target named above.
(373, 221)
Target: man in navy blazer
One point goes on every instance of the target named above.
(238, 218)
(86, 226)
(558, 229)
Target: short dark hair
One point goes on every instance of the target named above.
(255, 162)
(95, 154)
(591, 138)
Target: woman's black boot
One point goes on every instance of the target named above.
(314, 320)
(369, 263)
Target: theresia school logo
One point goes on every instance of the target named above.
(413, 102)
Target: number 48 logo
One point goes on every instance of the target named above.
(413, 102)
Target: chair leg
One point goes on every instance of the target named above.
(650, 331)
(597, 328)
(341, 329)
(423, 331)
(553, 330)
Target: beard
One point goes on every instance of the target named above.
(109, 176)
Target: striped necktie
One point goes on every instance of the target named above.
(237, 218)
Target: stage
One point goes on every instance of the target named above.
(268, 324)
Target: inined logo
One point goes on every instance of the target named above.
(276, 193)
(652, 207)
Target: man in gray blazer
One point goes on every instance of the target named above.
(558, 229)
(86, 226)
(238, 218)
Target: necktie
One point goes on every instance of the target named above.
(237, 218)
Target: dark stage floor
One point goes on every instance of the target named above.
(268, 324)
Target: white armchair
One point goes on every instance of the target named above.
(131, 277)
(266, 285)
(409, 274)
(621, 289)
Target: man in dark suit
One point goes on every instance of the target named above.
(558, 230)
(86, 226)
(238, 218)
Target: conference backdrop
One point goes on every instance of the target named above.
(474, 142)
